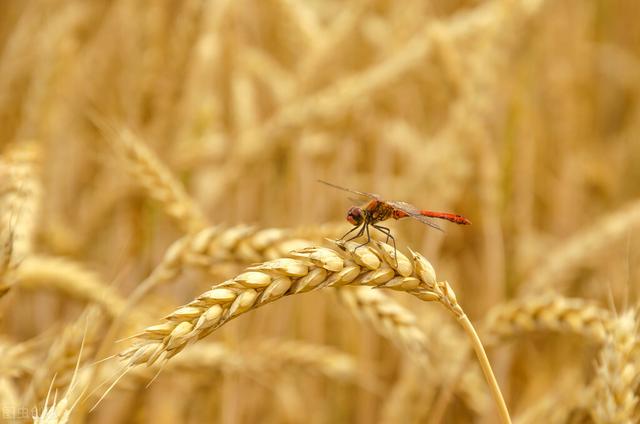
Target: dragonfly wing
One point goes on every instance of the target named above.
(414, 213)
(359, 193)
(426, 220)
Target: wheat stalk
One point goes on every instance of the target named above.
(312, 268)
(71, 278)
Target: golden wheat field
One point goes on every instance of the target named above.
(168, 254)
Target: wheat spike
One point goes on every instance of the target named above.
(308, 269)
(213, 246)
(263, 357)
(57, 369)
(312, 268)
(157, 180)
(20, 200)
(547, 313)
(388, 318)
(617, 377)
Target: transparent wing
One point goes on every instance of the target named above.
(413, 212)
(359, 193)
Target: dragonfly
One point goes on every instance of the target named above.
(376, 210)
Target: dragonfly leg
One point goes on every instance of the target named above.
(351, 231)
(384, 230)
(366, 226)
(357, 235)
(387, 231)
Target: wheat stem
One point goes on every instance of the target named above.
(486, 367)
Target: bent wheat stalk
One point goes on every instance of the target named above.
(71, 278)
(307, 269)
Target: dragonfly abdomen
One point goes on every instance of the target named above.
(458, 219)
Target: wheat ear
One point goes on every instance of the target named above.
(388, 318)
(20, 198)
(59, 412)
(547, 313)
(308, 269)
(617, 377)
(57, 369)
(214, 245)
(156, 179)
(252, 358)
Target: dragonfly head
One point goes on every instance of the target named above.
(355, 215)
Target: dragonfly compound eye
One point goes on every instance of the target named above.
(354, 216)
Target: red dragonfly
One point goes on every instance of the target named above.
(376, 210)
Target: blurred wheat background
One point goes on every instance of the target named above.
(154, 149)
